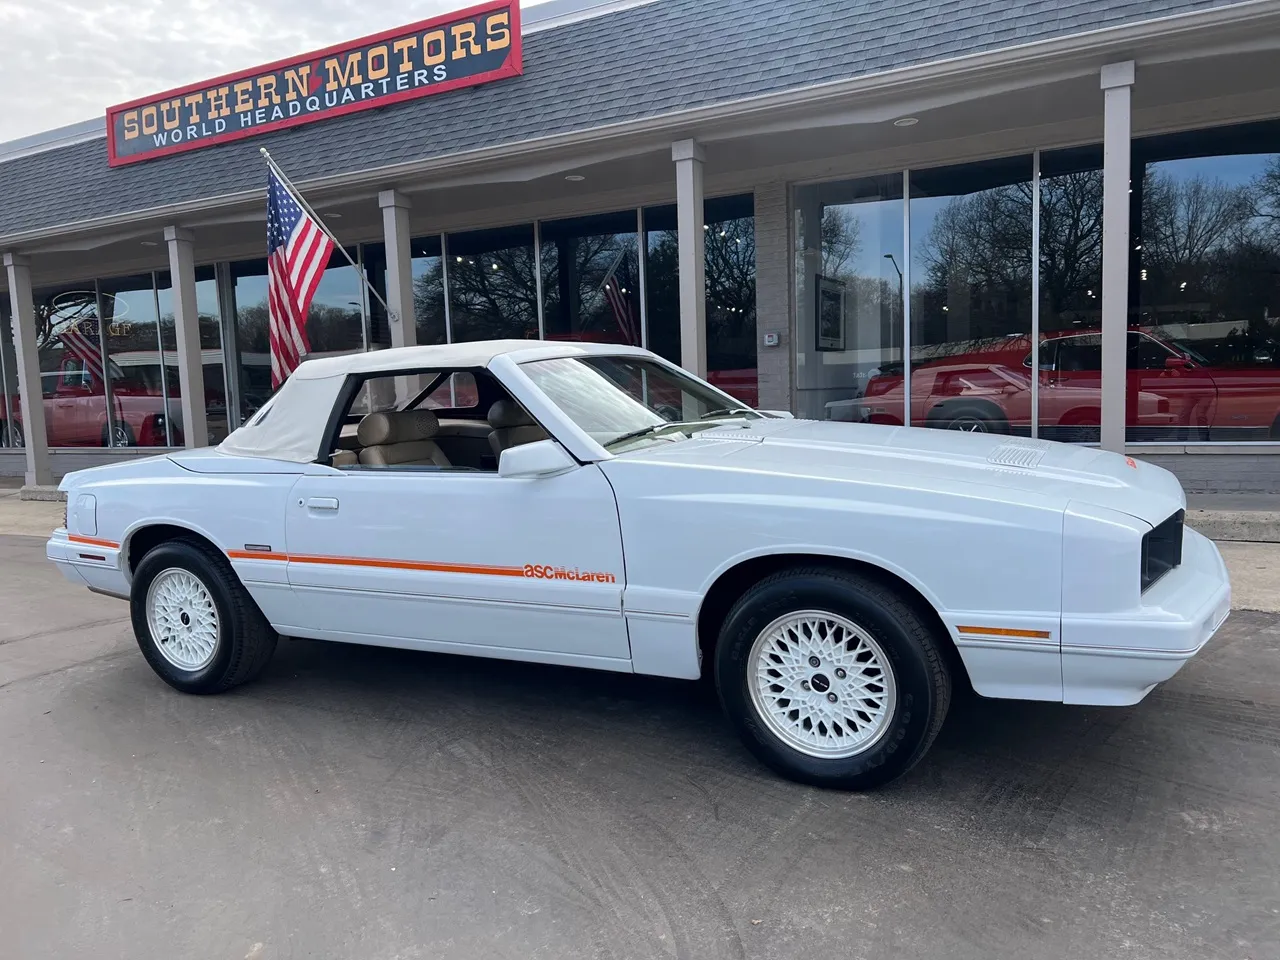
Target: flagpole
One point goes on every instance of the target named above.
(392, 316)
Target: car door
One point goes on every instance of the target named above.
(1161, 381)
(461, 560)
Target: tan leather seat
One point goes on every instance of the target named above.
(511, 426)
(344, 458)
(400, 438)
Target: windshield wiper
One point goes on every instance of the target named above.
(650, 430)
(725, 412)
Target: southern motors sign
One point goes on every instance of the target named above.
(457, 50)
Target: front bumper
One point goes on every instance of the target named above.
(1116, 660)
(88, 561)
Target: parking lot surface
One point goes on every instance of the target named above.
(364, 803)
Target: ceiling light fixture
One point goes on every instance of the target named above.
(575, 178)
(149, 243)
(905, 122)
(332, 214)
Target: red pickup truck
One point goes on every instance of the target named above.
(1173, 392)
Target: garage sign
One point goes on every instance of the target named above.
(456, 50)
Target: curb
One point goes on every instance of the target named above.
(45, 493)
(1254, 526)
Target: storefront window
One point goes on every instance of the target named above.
(493, 291)
(1071, 296)
(849, 300)
(72, 378)
(211, 357)
(731, 296)
(10, 405)
(335, 322)
(1206, 346)
(428, 289)
(662, 279)
(138, 408)
(971, 296)
(730, 290)
(591, 279)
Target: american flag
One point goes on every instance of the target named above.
(619, 303)
(298, 250)
(82, 346)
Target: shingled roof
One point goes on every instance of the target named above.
(634, 63)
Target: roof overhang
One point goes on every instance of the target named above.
(1238, 28)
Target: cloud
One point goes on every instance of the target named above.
(63, 61)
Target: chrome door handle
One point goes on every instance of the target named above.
(322, 503)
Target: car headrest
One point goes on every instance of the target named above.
(397, 426)
(505, 414)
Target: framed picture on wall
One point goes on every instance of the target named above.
(830, 313)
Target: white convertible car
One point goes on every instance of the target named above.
(596, 506)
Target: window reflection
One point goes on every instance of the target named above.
(139, 408)
(1207, 259)
(10, 404)
(1071, 296)
(849, 288)
(493, 291)
(731, 296)
(591, 279)
(334, 323)
(971, 296)
(211, 357)
(730, 290)
(428, 289)
(662, 279)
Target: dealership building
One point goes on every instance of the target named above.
(1057, 220)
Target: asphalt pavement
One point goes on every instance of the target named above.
(370, 804)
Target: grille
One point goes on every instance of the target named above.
(1162, 549)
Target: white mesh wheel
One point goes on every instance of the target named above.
(822, 684)
(182, 618)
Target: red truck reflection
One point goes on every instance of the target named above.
(75, 410)
(1173, 393)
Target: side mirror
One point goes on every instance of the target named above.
(1178, 363)
(542, 458)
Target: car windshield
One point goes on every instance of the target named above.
(618, 400)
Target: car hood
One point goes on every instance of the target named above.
(980, 464)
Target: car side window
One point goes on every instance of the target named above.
(419, 421)
(1080, 354)
(1146, 353)
(457, 392)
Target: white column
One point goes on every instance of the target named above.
(186, 324)
(30, 395)
(1117, 82)
(690, 221)
(395, 234)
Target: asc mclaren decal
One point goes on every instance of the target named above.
(548, 572)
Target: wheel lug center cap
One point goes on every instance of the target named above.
(820, 683)
(186, 619)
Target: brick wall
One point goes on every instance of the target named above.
(773, 296)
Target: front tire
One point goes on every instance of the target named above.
(195, 623)
(868, 710)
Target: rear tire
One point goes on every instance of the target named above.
(970, 418)
(801, 637)
(194, 621)
(121, 435)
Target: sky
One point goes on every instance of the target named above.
(64, 61)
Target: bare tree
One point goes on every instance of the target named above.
(841, 240)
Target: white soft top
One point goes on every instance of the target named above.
(291, 425)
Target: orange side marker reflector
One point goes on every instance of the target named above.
(1006, 632)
